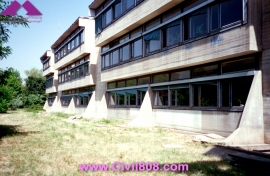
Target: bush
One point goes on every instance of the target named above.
(16, 103)
(34, 108)
(34, 99)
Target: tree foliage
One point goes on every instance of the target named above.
(5, 22)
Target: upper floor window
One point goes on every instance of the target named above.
(70, 44)
(46, 64)
(49, 81)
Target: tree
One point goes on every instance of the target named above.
(10, 88)
(5, 21)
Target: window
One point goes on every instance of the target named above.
(117, 9)
(180, 95)
(206, 71)
(108, 17)
(191, 3)
(49, 81)
(127, 4)
(124, 53)
(152, 41)
(112, 85)
(137, 48)
(98, 21)
(115, 57)
(238, 65)
(214, 17)
(65, 100)
(137, 32)
(160, 96)
(205, 94)
(117, 98)
(180, 75)
(141, 93)
(51, 100)
(82, 36)
(196, 23)
(171, 33)
(231, 11)
(82, 99)
(131, 82)
(121, 84)
(161, 78)
(86, 69)
(130, 97)
(144, 80)
(106, 60)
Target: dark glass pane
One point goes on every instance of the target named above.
(82, 36)
(172, 35)
(131, 82)
(180, 75)
(141, 95)
(112, 85)
(115, 57)
(206, 71)
(239, 65)
(144, 80)
(197, 23)
(131, 99)
(152, 41)
(108, 17)
(205, 95)
(240, 90)
(107, 60)
(117, 10)
(86, 69)
(130, 3)
(137, 48)
(180, 97)
(112, 98)
(214, 17)
(225, 93)
(120, 99)
(136, 33)
(161, 98)
(121, 84)
(231, 11)
(161, 78)
(124, 53)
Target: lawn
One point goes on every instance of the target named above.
(49, 144)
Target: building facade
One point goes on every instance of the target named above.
(195, 65)
(71, 84)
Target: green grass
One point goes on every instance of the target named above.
(46, 144)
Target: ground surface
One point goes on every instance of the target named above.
(48, 144)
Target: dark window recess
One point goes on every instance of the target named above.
(130, 97)
(214, 14)
(117, 98)
(140, 97)
(124, 53)
(117, 9)
(144, 80)
(161, 97)
(171, 33)
(137, 48)
(205, 71)
(152, 41)
(180, 75)
(108, 17)
(238, 65)
(231, 11)
(240, 90)
(121, 84)
(112, 85)
(180, 97)
(131, 82)
(115, 57)
(225, 93)
(205, 94)
(161, 78)
(196, 24)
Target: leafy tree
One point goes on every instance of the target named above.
(5, 22)
(10, 87)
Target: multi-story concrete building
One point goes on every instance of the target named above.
(196, 65)
(70, 81)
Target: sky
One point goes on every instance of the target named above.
(29, 44)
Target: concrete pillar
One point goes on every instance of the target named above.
(251, 127)
(91, 108)
(145, 116)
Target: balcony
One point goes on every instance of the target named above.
(48, 71)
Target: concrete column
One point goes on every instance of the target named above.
(251, 127)
(145, 116)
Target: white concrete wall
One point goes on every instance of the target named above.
(125, 114)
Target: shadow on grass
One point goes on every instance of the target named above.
(11, 130)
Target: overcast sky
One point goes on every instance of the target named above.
(29, 44)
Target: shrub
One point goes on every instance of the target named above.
(16, 103)
(5, 97)
(34, 108)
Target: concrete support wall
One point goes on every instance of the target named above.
(265, 67)
(251, 127)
